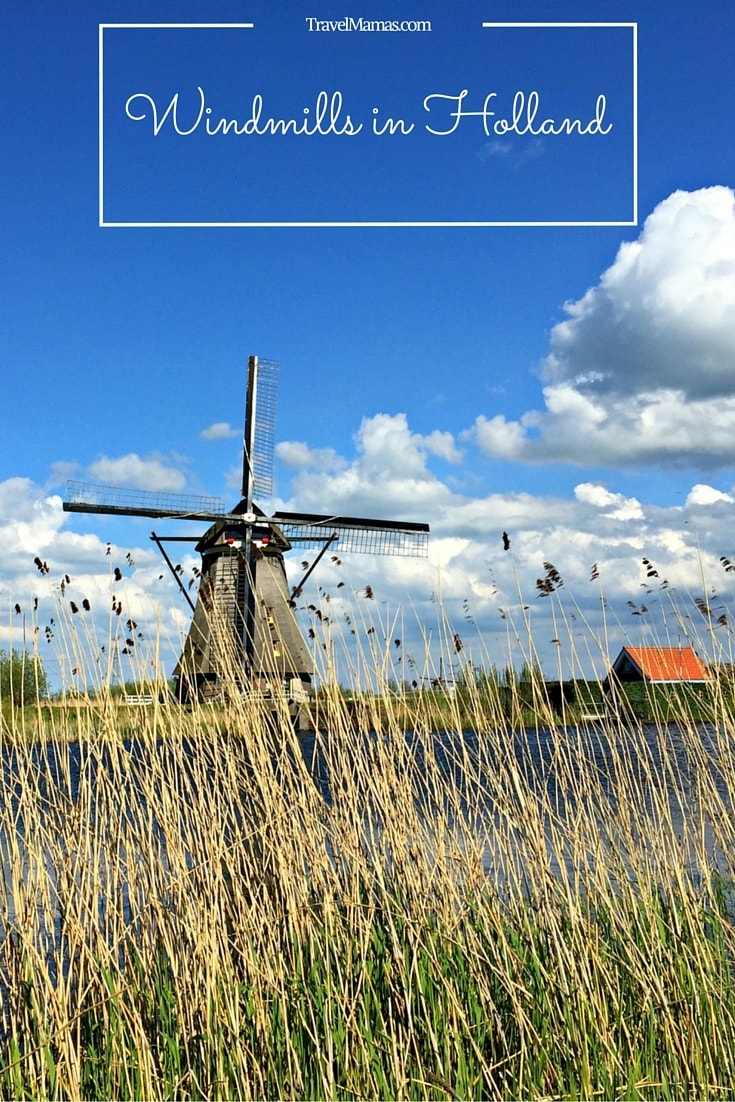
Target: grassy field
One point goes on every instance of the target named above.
(221, 908)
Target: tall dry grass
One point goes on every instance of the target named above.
(206, 903)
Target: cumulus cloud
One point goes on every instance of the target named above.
(390, 472)
(141, 474)
(29, 521)
(220, 430)
(295, 455)
(702, 494)
(642, 370)
(619, 507)
(442, 445)
(661, 315)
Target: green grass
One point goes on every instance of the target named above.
(502, 1004)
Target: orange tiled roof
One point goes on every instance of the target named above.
(667, 663)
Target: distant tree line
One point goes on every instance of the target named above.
(22, 678)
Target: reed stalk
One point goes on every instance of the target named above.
(431, 895)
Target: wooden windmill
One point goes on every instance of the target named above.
(243, 635)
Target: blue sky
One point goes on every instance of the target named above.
(435, 373)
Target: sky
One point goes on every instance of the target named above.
(486, 324)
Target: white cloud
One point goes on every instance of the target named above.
(29, 521)
(141, 474)
(388, 478)
(220, 430)
(621, 507)
(441, 444)
(661, 315)
(498, 437)
(61, 472)
(707, 495)
(642, 371)
(295, 455)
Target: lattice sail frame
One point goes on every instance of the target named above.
(96, 497)
(261, 460)
(354, 534)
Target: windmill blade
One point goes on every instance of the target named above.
(88, 497)
(260, 427)
(371, 537)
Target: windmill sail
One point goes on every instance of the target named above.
(259, 445)
(90, 497)
(372, 537)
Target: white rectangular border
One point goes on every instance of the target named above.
(272, 225)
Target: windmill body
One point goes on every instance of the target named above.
(243, 636)
(243, 611)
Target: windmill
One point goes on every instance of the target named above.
(243, 635)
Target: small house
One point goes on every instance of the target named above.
(653, 679)
(659, 665)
